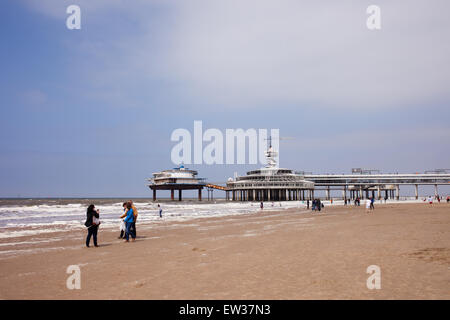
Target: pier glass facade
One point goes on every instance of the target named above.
(269, 184)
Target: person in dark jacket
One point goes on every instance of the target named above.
(91, 225)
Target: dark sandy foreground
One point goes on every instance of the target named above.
(284, 255)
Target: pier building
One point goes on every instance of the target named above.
(269, 183)
(179, 179)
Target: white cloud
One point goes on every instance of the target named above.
(301, 52)
(258, 53)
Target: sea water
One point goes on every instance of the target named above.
(24, 217)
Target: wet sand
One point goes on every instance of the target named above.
(290, 254)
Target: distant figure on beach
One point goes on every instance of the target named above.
(316, 205)
(92, 223)
(372, 203)
(448, 199)
(430, 200)
(160, 210)
(261, 205)
(368, 204)
(307, 204)
(129, 219)
(385, 199)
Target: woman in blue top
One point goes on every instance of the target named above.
(129, 222)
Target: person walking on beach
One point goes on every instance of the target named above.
(129, 219)
(372, 202)
(160, 211)
(319, 204)
(261, 205)
(92, 223)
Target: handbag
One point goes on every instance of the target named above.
(95, 221)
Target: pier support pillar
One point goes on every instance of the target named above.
(436, 190)
(180, 197)
(172, 194)
(327, 193)
(199, 194)
(379, 193)
(154, 194)
(397, 190)
(416, 187)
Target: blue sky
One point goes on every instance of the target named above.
(90, 112)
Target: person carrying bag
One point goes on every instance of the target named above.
(92, 223)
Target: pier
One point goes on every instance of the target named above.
(174, 179)
(177, 187)
(378, 185)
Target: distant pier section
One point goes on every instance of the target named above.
(178, 179)
(371, 183)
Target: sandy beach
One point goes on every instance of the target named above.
(290, 254)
